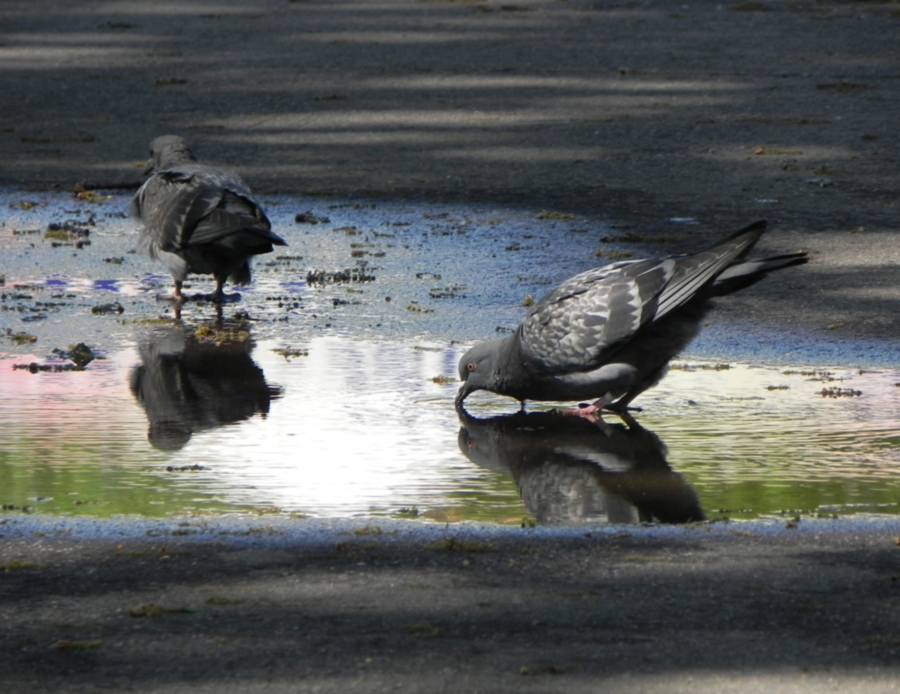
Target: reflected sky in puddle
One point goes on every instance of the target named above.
(362, 428)
(180, 423)
(331, 400)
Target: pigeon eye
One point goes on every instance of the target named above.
(470, 366)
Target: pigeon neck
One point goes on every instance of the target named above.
(510, 374)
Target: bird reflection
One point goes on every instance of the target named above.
(574, 470)
(187, 384)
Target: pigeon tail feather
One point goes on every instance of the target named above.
(693, 272)
(748, 272)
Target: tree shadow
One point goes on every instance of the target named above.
(409, 609)
(610, 109)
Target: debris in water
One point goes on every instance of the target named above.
(451, 292)
(114, 307)
(24, 205)
(701, 367)
(81, 354)
(834, 392)
(20, 338)
(290, 352)
(310, 218)
(91, 196)
(338, 277)
(206, 334)
(416, 307)
(66, 230)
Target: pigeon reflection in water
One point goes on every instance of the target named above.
(574, 470)
(187, 385)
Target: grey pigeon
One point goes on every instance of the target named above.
(199, 219)
(608, 334)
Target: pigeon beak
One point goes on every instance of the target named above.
(463, 393)
(149, 168)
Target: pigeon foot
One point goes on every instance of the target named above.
(176, 297)
(592, 412)
(218, 297)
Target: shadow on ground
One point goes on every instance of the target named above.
(633, 110)
(367, 609)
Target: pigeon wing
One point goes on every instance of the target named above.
(578, 325)
(171, 204)
(234, 213)
(235, 209)
(194, 205)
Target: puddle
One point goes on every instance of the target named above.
(325, 390)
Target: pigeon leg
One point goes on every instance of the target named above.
(176, 296)
(595, 410)
(219, 296)
(621, 408)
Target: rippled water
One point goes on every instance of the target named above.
(337, 399)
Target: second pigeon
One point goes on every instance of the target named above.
(199, 219)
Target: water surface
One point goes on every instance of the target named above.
(335, 398)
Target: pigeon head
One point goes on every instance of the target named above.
(167, 151)
(479, 369)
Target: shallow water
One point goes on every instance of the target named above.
(331, 399)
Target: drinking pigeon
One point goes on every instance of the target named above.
(199, 219)
(608, 334)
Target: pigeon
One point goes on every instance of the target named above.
(608, 334)
(199, 219)
(570, 470)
